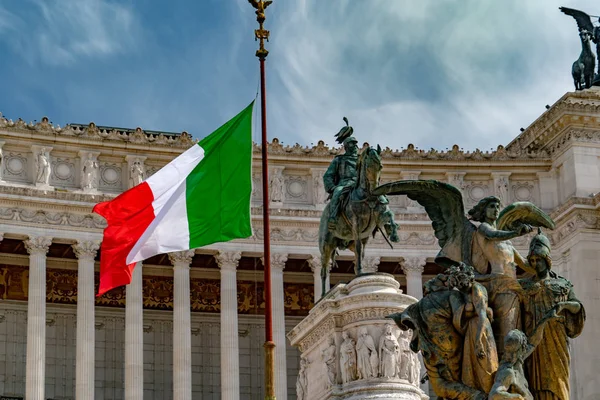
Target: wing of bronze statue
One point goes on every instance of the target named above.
(444, 205)
(584, 22)
(523, 212)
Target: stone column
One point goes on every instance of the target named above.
(277, 265)
(37, 247)
(182, 325)
(230, 355)
(371, 264)
(134, 337)
(315, 266)
(413, 269)
(85, 345)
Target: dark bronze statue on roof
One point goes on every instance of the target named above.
(583, 67)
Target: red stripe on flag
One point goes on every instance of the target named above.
(128, 216)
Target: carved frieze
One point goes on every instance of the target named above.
(92, 221)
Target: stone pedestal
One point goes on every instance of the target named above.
(350, 351)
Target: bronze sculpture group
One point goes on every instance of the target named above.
(482, 331)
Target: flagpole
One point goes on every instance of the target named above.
(261, 35)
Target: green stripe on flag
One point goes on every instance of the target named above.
(218, 190)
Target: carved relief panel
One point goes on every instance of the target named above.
(475, 191)
(63, 172)
(524, 191)
(110, 178)
(296, 189)
(15, 167)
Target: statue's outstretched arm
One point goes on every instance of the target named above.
(491, 233)
(523, 263)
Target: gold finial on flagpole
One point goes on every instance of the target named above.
(261, 34)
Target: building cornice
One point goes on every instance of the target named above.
(91, 133)
(579, 109)
(139, 140)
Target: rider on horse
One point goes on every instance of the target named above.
(341, 175)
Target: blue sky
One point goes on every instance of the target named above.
(428, 72)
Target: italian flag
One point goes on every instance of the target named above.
(199, 198)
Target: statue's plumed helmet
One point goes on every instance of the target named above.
(344, 133)
(351, 139)
(542, 239)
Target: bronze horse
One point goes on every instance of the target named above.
(361, 215)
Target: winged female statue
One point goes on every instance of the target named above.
(485, 246)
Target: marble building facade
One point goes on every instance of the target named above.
(191, 324)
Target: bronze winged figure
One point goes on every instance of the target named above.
(583, 68)
(486, 246)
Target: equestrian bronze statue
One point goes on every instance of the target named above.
(354, 213)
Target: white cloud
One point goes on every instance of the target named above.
(432, 73)
(66, 31)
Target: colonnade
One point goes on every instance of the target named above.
(86, 250)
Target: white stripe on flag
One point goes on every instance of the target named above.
(164, 182)
(168, 188)
(168, 232)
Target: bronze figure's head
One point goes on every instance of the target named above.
(487, 209)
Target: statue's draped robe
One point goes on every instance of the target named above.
(388, 346)
(348, 360)
(479, 372)
(439, 336)
(365, 348)
(547, 368)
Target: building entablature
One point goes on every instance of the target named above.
(575, 117)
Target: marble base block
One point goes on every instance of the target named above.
(350, 351)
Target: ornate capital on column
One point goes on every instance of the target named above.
(228, 259)
(414, 265)
(86, 249)
(183, 257)
(314, 262)
(277, 260)
(38, 244)
(371, 264)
